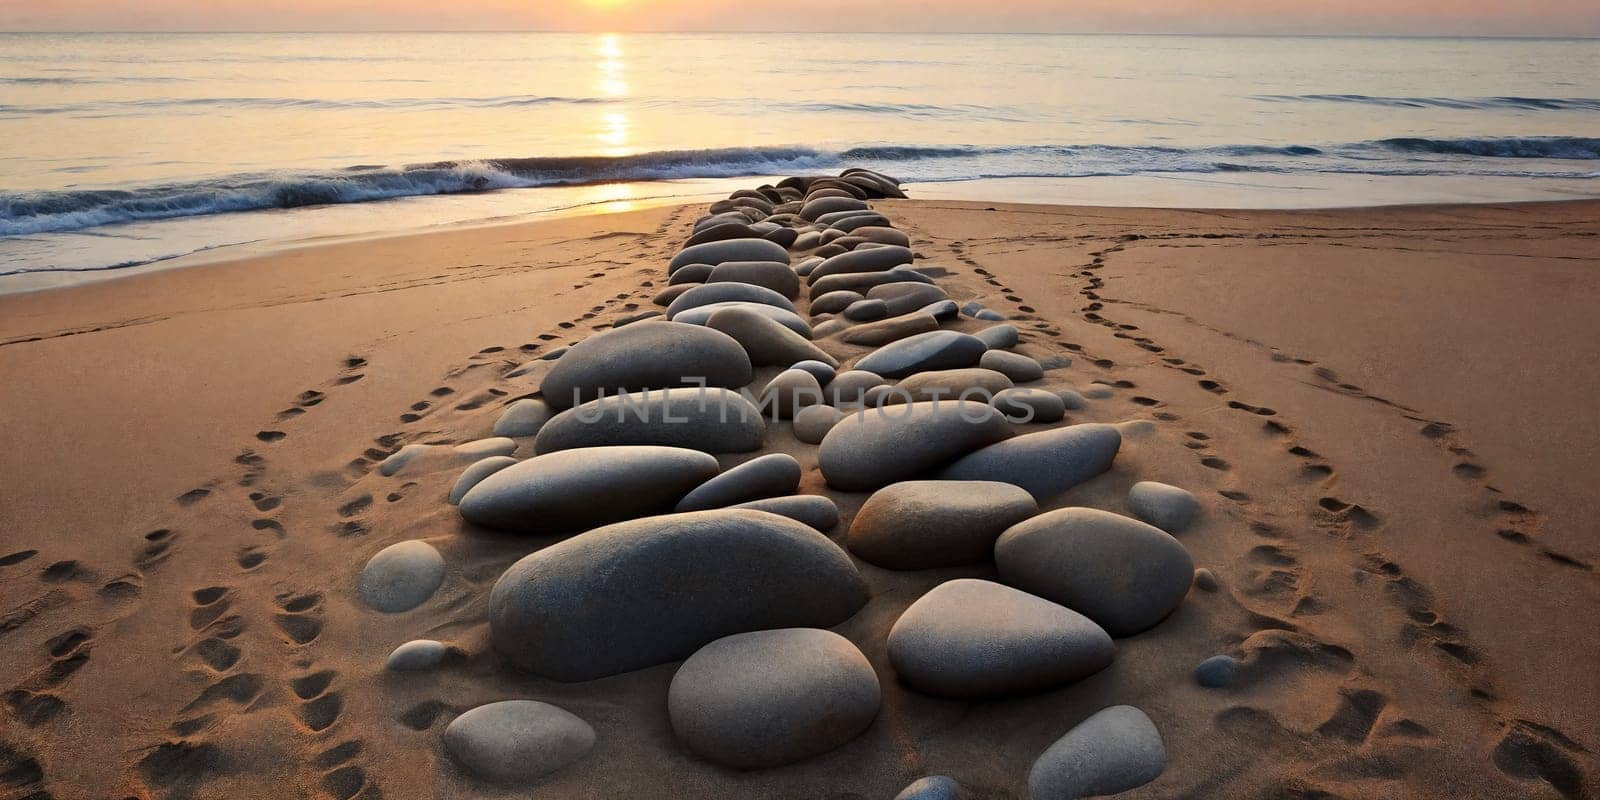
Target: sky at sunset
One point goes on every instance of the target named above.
(1422, 17)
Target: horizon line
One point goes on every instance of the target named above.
(515, 31)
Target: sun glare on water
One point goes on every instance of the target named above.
(605, 5)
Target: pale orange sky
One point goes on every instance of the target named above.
(1424, 17)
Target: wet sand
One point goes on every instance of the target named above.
(1387, 415)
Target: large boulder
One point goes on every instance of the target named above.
(1045, 463)
(774, 275)
(576, 489)
(766, 341)
(923, 352)
(709, 419)
(768, 698)
(650, 355)
(877, 447)
(517, 741)
(1116, 749)
(709, 293)
(784, 317)
(877, 259)
(764, 476)
(649, 591)
(928, 524)
(975, 639)
(715, 253)
(401, 577)
(1123, 574)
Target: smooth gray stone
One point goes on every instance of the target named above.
(831, 236)
(690, 273)
(876, 260)
(970, 385)
(849, 388)
(788, 319)
(866, 310)
(768, 698)
(577, 489)
(523, 418)
(830, 327)
(1205, 580)
(726, 218)
(881, 234)
(1099, 391)
(812, 423)
(788, 393)
(999, 337)
(711, 419)
(1072, 400)
(975, 639)
(637, 317)
(711, 293)
(1045, 463)
(1016, 366)
(1167, 507)
(762, 206)
(764, 476)
(820, 370)
(882, 446)
(671, 293)
(715, 253)
(841, 220)
(723, 231)
(805, 266)
(782, 237)
(429, 457)
(554, 354)
(815, 510)
(923, 352)
(401, 577)
(893, 329)
(942, 310)
(774, 275)
(418, 655)
(880, 396)
(828, 205)
(1123, 574)
(1030, 405)
(877, 222)
(933, 787)
(474, 474)
(990, 315)
(903, 297)
(1216, 672)
(864, 281)
(972, 308)
(1116, 749)
(766, 341)
(928, 524)
(645, 592)
(517, 741)
(651, 355)
(834, 302)
(810, 240)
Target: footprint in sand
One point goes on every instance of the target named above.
(300, 618)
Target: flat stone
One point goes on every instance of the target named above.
(523, 418)
(923, 352)
(1022, 405)
(650, 355)
(975, 639)
(971, 385)
(893, 329)
(864, 281)
(877, 259)
(419, 655)
(828, 205)
(854, 222)
(999, 337)
(764, 476)
(649, 591)
(933, 787)
(401, 577)
(942, 310)
(812, 423)
(722, 231)
(766, 341)
(928, 524)
(809, 240)
(905, 297)
(1116, 749)
(815, 510)
(788, 319)
(475, 474)
(711, 293)
(517, 741)
(715, 253)
(768, 698)
(882, 446)
(1123, 574)
(866, 310)
(419, 458)
(849, 388)
(774, 275)
(881, 234)
(710, 419)
(1167, 507)
(1045, 463)
(834, 302)
(1016, 366)
(1216, 672)
(576, 489)
(822, 371)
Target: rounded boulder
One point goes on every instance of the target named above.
(650, 355)
(576, 489)
(1116, 749)
(880, 446)
(713, 420)
(517, 741)
(924, 352)
(928, 524)
(1045, 463)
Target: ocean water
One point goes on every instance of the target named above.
(124, 150)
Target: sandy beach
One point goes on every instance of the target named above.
(1386, 414)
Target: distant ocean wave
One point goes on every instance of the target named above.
(67, 210)
(1461, 103)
